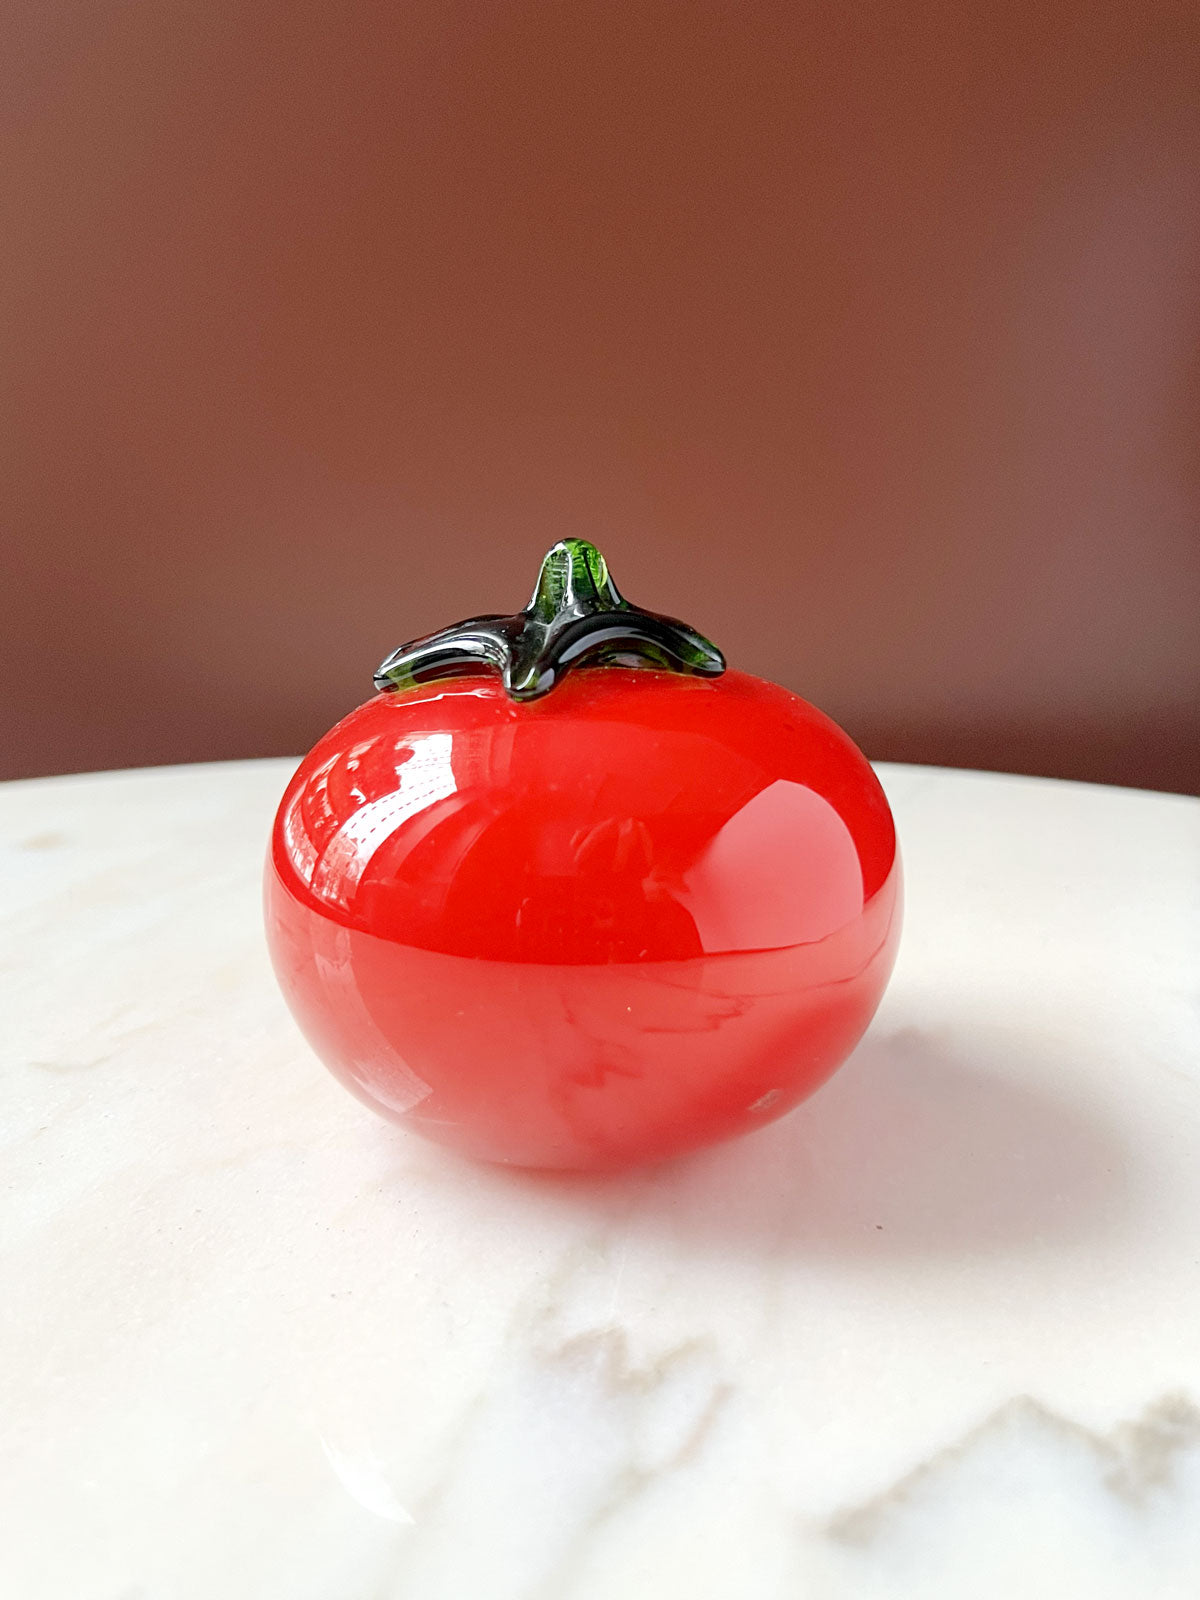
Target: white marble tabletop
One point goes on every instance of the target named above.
(935, 1334)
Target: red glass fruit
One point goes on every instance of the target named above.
(580, 912)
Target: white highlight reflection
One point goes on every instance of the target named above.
(783, 871)
(363, 1478)
(425, 777)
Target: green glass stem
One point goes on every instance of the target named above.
(576, 617)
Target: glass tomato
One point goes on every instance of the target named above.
(580, 912)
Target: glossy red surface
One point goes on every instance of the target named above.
(638, 915)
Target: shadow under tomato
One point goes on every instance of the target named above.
(914, 1147)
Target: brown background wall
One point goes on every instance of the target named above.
(863, 336)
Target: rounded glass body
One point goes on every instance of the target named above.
(640, 914)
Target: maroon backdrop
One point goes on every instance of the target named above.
(864, 337)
